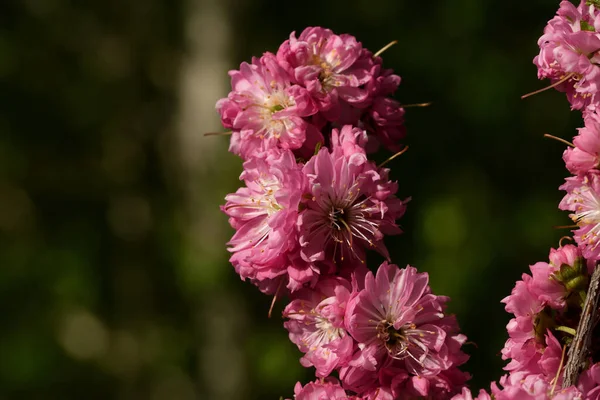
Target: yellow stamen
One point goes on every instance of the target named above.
(559, 139)
(384, 48)
(427, 104)
(274, 299)
(563, 238)
(566, 226)
(394, 156)
(564, 79)
(555, 380)
(218, 133)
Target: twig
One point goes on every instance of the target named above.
(580, 348)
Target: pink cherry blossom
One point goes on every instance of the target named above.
(316, 325)
(379, 393)
(567, 254)
(352, 202)
(399, 324)
(548, 298)
(265, 111)
(519, 386)
(589, 382)
(586, 153)
(523, 348)
(385, 120)
(331, 67)
(265, 214)
(583, 199)
(403, 386)
(320, 390)
(466, 395)
(569, 53)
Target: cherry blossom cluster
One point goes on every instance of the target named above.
(386, 336)
(546, 306)
(297, 222)
(312, 204)
(547, 303)
(315, 82)
(569, 53)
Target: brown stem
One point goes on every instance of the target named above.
(578, 354)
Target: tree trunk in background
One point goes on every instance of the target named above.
(203, 80)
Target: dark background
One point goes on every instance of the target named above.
(114, 281)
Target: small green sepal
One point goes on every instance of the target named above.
(586, 26)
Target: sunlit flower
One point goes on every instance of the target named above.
(321, 390)
(541, 302)
(401, 327)
(316, 325)
(583, 199)
(264, 214)
(264, 111)
(332, 68)
(466, 395)
(519, 386)
(351, 205)
(586, 153)
(569, 53)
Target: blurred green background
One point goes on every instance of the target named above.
(114, 281)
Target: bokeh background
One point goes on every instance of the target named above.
(114, 281)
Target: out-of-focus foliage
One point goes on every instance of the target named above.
(102, 292)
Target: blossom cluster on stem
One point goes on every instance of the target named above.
(547, 304)
(304, 120)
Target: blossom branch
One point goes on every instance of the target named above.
(580, 348)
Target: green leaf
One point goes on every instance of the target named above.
(279, 107)
(586, 27)
(595, 3)
(318, 147)
(574, 278)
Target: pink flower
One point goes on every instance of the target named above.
(386, 122)
(399, 324)
(320, 390)
(265, 111)
(352, 202)
(466, 395)
(264, 214)
(567, 254)
(589, 382)
(569, 53)
(517, 386)
(403, 386)
(384, 118)
(316, 325)
(522, 347)
(586, 153)
(548, 298)
(379, 393)
(348, 84)
(583, 199)
(331, 67)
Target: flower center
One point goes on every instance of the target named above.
(327, 74)
(340, 219)
(324, 333)
(329, 331)
(272, 103)
(276, 107)
(587, 212)
(395, 341)
(268, 201)
(347, 219)
(404, 342)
